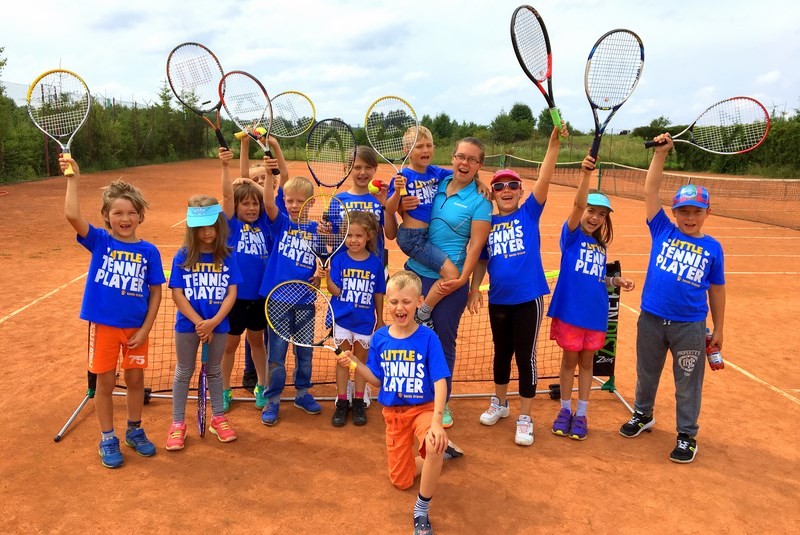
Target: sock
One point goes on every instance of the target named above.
(425, 311)
(134, 425)
(582, 406)
(421, 507)
(108, 435)
(343, 397)
(359, 395)
(566, 404)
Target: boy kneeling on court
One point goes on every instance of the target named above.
(406, 361)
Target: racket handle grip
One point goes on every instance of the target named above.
(268, 154)
(650, 144)
(221, 139)
(240, 135)
(69, 171)
(557, 122)
(204, 353)
(353, 365)
(595, 146)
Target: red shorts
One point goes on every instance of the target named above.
(402, 425)
(105, 345)
(574, 338)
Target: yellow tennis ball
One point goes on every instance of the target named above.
(261, 131)
(374, 186)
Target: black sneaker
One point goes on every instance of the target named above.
(422, 526)
(638, 423)
(340, 413)
(685, 450)
(250, 380)
(359, 412)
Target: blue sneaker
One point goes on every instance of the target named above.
(261, 401)
(136, 439)
(110, 454)
(227, 396)
(269, 416)
(308, 404)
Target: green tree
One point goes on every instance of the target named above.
(442, 127)
(504, 129)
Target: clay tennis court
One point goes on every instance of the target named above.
(305, 476)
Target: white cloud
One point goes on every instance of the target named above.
(769, 78)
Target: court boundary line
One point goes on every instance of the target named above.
(41, 298)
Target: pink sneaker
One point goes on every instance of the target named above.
(223, 430)
(176, 436)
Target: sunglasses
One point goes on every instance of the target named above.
(513, 185)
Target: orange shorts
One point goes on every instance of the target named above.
(573, 338)
(402, 425)
(105, 345)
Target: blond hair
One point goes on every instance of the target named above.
(191, 243)
(120, 189)
(301, 185)
(403, 279)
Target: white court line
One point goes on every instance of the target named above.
(178, 223)
(741, 370)
(45, 296)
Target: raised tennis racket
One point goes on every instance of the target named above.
(323, 223)
(532, 47)
(202, 388)
(391, 126)
(293, 114)
(59, 104)
(731, 126)
(193, 73)
(612, 73)
(301, 314)
(330, 152)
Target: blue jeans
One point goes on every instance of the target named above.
(446, 317)
(297, 320)
(414, 243)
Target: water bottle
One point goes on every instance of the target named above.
(713, 354)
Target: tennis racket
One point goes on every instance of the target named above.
(202, 387)
(612, 73)
(323, 223)
(532, 47)
(292, 115)
(301, 314)
(330, 152)
(59, 104)
(731, 126)
(193, 73)
(247, 103)
(391, 126)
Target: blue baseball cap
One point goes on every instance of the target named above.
(202, 216)
(691, 195)
(598, 199)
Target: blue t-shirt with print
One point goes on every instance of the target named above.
(365, 203)
(424, 187)
(205, 286)
(359, 280)
(250, 245)
(451, 223)
(581, 297)
(118, 283)
(290, 257)
(680, 271)
(515, 267)
(407, 367)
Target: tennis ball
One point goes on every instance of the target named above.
(261, 132)
(375, 186)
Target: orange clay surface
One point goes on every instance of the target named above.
(305, 476)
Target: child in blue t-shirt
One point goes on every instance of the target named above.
(204, 282)
(579, 306)
(516, 303)
(289, 259)
(356, 283)
(121, 300)
(407, 362)
(685, 280)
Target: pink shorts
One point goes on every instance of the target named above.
(572, 338)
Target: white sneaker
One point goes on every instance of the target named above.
(495, 412)
(524, 434)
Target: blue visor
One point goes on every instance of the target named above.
(598, 199)
(202, 216)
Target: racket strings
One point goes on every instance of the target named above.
(330, 151)
(532, 44)
(298, 313)
(391, 127)
(323, 222)
(59, 103)
(245, 102)
(194, 74)
(733, 125)
(614, 69)
(293, 114)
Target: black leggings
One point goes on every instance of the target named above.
(515, 329)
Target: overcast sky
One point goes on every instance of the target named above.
(442, 56)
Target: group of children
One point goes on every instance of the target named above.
(236, 251)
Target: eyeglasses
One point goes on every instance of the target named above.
(513, 185)
(472, 160)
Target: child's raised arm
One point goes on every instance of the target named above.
(244, 156)
(542, 185)
(270, 206)
(228, 207)
(72, 209)
(652, 183)
(278, 153)
(582, 195)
